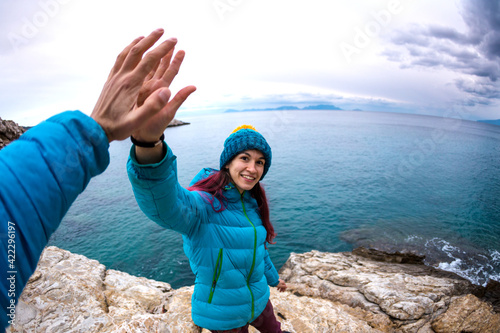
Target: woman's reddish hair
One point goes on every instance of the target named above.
(215, 183)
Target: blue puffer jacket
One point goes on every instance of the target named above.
(225, 249)
(41, 174)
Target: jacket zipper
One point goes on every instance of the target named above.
(217, 271)
(253, 260)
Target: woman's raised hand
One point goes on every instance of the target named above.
(161, 77)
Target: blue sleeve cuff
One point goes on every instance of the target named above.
(153, 170)
(272, 276)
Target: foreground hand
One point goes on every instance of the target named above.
(281, 286)
(117, 110)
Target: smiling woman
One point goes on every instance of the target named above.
(253, 157)
(246, 169)
(224, 219)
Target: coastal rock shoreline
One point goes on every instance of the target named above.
(359, 291)
(10, 130)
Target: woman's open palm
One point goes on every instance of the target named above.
(162, 76)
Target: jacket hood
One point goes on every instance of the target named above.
(204, 173)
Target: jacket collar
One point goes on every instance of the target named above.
(232, 194)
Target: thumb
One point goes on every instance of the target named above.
(152, 105)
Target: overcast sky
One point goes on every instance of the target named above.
(416, 56)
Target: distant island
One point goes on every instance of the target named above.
(176, 122)
(493, 122)
(291, 108)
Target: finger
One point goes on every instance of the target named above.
(121, 57)
(161, 67)
(173, 70)
(135, 54)
(148, 88)
(152, 73)
(153, 57)
(164, 64)
(180, 97)
(153, 104)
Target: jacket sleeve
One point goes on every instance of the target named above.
(162, 198)
(270, 271)
(42, 173)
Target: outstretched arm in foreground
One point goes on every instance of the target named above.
(44, 171)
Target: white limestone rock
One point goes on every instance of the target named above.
(328, 292)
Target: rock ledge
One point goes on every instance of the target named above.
(9, 131)
(329, 292)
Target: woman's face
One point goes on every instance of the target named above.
(246, 169)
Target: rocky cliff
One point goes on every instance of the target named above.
(9, 131)
(329, 292)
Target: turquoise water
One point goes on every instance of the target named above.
(338, 180)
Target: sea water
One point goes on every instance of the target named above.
(338, 180)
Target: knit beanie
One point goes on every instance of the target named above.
(244, 138)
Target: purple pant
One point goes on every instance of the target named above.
(265, 323)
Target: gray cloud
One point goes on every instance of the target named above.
(448, 33)
(475, 52)
(485, 89)
(483, 20)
